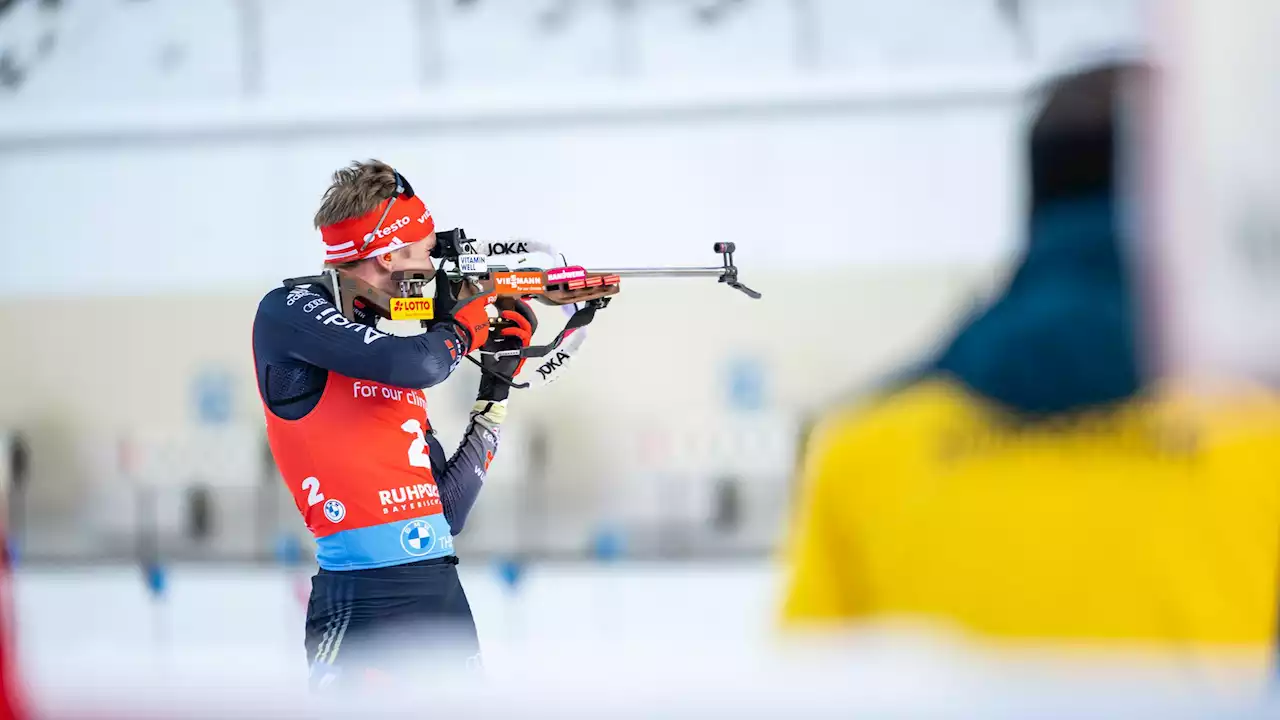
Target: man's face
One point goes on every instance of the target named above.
(416, 256)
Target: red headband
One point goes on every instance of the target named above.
(407, 221)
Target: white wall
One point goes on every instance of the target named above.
(165, 146)
(835, 176)
(176, 50)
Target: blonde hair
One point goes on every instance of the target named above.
(355, 190)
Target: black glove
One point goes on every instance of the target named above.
(516, 325)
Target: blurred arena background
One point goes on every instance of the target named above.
(160, 162)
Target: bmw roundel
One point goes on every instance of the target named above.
(334, 510)
(417, 537)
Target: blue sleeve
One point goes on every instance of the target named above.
(461, 477)
(301, 324)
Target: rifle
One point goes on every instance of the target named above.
(568, 286)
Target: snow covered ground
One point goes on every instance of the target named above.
(572, 640)
(76, 621)
(91, 630)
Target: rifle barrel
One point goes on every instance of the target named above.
(679, 271)
(662, 271)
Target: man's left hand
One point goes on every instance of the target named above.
(517, 323)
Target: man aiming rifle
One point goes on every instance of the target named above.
(347, 425)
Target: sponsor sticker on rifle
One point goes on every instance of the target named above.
(508, 248)
(572, 272)
(519, 283)
(549, 370)
(472, 264)
(413, 309)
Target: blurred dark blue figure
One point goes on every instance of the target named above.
(1023, 489)
(1061, 335)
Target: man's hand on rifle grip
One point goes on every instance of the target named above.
(515, 327)
(469, 314)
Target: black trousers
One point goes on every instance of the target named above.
(389, 625)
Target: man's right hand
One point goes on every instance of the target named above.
(470, 314)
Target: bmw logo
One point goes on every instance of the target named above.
(417, 537)
(335, 510)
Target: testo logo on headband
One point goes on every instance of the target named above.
(360, 237)
(387, 230)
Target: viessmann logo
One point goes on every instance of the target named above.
(385, 231)
(519, 283)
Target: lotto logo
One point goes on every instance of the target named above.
(412, 309)
(519, 283)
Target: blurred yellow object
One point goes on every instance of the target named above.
(1157, 522)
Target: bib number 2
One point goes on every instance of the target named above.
(314, 496)
(418, 454)
(418, 457)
